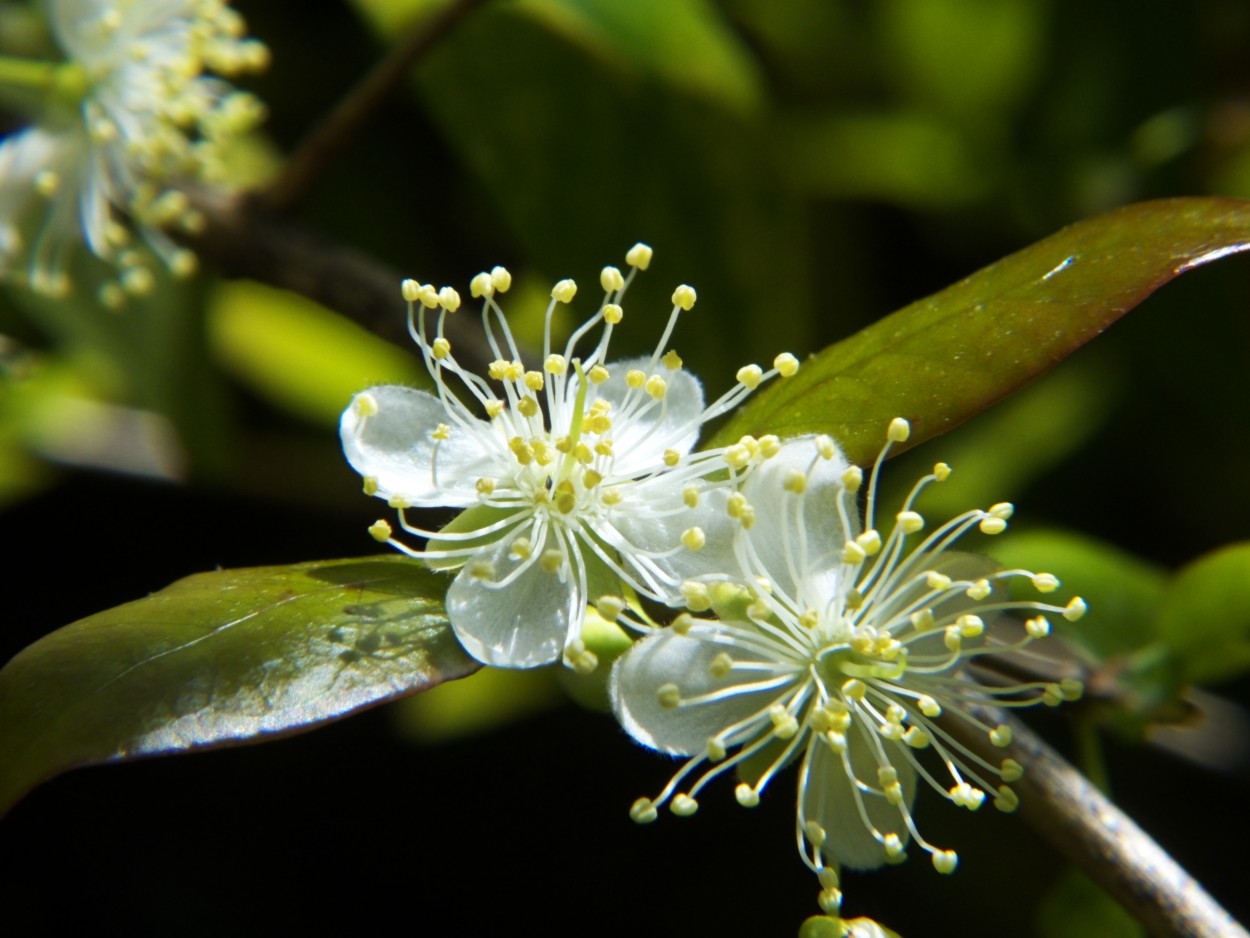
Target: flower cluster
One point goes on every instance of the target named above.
(808, 637)
(577, 479)
(128, 116)
(845, 651)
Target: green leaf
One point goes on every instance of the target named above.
(943, 359)
(1205, 616)
(223, 658)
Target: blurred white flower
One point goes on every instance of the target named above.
(837, 649)
(578, 479)
(122, 121)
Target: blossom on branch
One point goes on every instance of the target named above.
(577, 479)
(843, 651)
(128, 116)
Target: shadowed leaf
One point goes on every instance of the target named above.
(220, 659)
(943, 359)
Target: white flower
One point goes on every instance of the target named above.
(838, 649)
(577, 479)
(128, 115)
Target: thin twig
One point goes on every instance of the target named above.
(244, 242)
(323, 143)
(1095, 835)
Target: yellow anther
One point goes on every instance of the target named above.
(693, 538)
(643, 811)
(47, 182)
(671, 360)
(1006, 800)
(411, 290)
(485, 485)
(449, 299)
(551, 560)
(945, 861)
(481, 285)
(555, 365)
(657, 387)
(1071, 689)
(690, 495)
(1002, 510)
(683, 805)
(635, 378)
(1001, 735)
(937, 581)
(737, 456)
(815, 834)
(590, 478)
(852, 553)
(1074, 609)
(770, 445)
(749, 376)
(941, 472)
(1045, 582)
(809, 619)
(736, 504)
(854, 688)
(668, 696)
(715, 750)
(684, 297)
(746, 796)
(786, 364)
(138, 281)
(611, 280)
(612, 314)
(533, 380)
(869, 541)
(494, 408)
(696, 596)
(398, 501)
(796, 482)
(610, 607)
(527, 407)
(721, 665)
(970, 626)
(583, 453)
(564, 291)
(785, 726)
(604, 447)
(500, 279)
(440, 348)
(428, 296)
(929, 707)
(852, 479)
(441, 432)
(917, 738)
(380, 531)
(366, 404)
(639, 256)
(826, 447)
(565, 497)
(611, 497)
(671, 457)
(892, 844)
(952, 639)
(371, 485)
(681, 625)
(481, 570)
(497, 369)
(899, 430)
(887, 775)
(992, 526)
(522, 549)
(1011, 771)
(1037, 627)
(909, 522)
(922, 620)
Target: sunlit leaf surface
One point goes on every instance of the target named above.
(223, 658)
(944, 358)
(1205, 615)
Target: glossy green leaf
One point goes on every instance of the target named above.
(223, 658)
(1205, 616)
(942, 359)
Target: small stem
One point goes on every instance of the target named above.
(319, 148)
(1079, 821)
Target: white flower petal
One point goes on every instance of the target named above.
(396, 447)
(649, 518)
(521, 625)
(671, 423)
(810, 544)
(829, 800)
(668, 658)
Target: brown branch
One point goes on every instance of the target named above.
(324, 142)
(1095, 835)
(244, 242)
